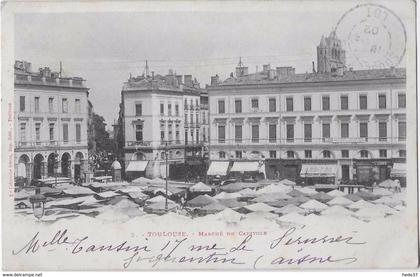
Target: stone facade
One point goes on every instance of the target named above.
(50, 124)
(161, 114)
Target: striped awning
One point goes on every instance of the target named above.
(218, 168)
(399, 170)
(318, 170)
(136, 166)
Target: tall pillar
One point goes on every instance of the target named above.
(29, 170)
(69, 169)
(44, 171)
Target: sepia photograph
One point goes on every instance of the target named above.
(200, 135)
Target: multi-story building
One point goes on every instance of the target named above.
(352, 123)
(160, 115)
(51, 121)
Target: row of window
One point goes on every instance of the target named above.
(139, 112)
(37, 108)
(51, 131)
(170, 139)
(307, 103)
(326, 154)
(191, 104)
(290, 134)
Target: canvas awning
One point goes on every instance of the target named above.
(318, 170)
(136, 166)
(245, 167)
(218, 168)
(399, 170)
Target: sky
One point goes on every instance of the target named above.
(105, 48)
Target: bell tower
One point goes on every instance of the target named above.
(330, 54)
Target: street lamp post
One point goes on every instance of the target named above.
(166, 183)
(38, 203)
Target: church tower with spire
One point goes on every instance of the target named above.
(330, 54)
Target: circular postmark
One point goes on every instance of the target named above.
(373, 37)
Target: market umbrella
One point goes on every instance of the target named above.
(295, 193)
(106, 194)
(341, 201)
(237, 186)
(336, 210)
(353, 197)
(288, 182)
(160, 207)
(78, 191)
(365, 195)
(313, 206)
(387, 184)
(157, 199)
(322, 197)
(259, 207)
(293, 217)
(231, 203)
(213, 208)
(200, 187)
(301, 199)
(225, 195)
(387, 200)
(335, 193)
(278, 203)
(267, 198)
(381, 192)
(274, 188)
(361, 204)
(157, 181)
(306, 190)
(201, 201)
(141, 181)
(22, 194)
(228, 215)
(248, 193)
(290, 208)
(137, 195)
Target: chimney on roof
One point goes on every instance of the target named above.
(283, 71)
(45, 72)
(179, 79)
(393, 70)
(188, 80)
(153, 75)
(271, 74)
(241, 71)
(266, 67)
(171, 72)
(214, 80)
(313, 67)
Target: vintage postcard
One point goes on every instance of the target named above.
(180, 135)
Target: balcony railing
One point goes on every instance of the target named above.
(49, 143)
(49, 81)
(311, 141)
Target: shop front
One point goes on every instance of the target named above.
(399, 172)
(279, 169)
(368, 172)
(247, 169)
(319, 173)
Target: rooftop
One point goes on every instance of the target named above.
(44, 77)
(169, 82)
(287, 75)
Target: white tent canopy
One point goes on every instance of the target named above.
(399, 170)
(245, 166)
(218, 168)
(136, 166)
(200, 187)
(318, 170)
